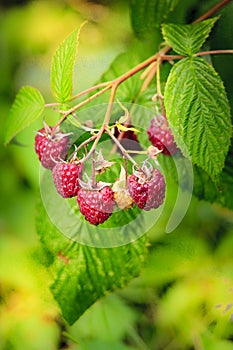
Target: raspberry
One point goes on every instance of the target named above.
(147, 193)
(161, 137)
(123, 199)
(128, 139)
(50, 146)
(96, 204)
(121, 193)
(66, 178)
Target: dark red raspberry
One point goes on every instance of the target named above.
(128, 139)
(147, 193)
(66, 178)
(96, 204)
(161, 137)
(51, 146)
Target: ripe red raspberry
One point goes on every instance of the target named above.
(96, 204)
(66, 178)
(146, 192)
(51, 146)
(161, 136)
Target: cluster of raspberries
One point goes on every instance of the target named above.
(144, 189)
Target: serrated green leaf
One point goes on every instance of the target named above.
(146, 15)
(82, 274)
(204, 188)
(27, 107)
(63, 66)
(187, 39)
(199, 114)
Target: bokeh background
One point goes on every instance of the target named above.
(184, 297)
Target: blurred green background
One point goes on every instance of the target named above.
(184, 297)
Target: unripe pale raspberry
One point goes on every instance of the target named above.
(161, 137)
(96, 204)
(121, 193)
(66, 178)
(147, 193)
(51, 147)
(123, 199)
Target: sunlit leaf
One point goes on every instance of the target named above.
(63, 67)
(187, 39)
(27, 107)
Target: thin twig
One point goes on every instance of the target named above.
(98, 136)
(92, 88)
(93, 182)
(150, 75)
(159, 92)
(202, 53)
(214, 52)
(129, 151)
(84, 143)
(210, 12)
(110, 104)
(53, 104)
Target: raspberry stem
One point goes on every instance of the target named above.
(97, 138)
(202, 53)
(149, 75)
(158, 83)
(136, 152)
(110, 103)
(213, 52)
(93, 181)
(92, 88)
(210, 12)
(84, 143)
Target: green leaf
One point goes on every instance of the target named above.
(225, 197)
(204, 188)
(199, 114)
(83, 274)
(187, 39)
(63, 66)
(146, 15)
(27, 107)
